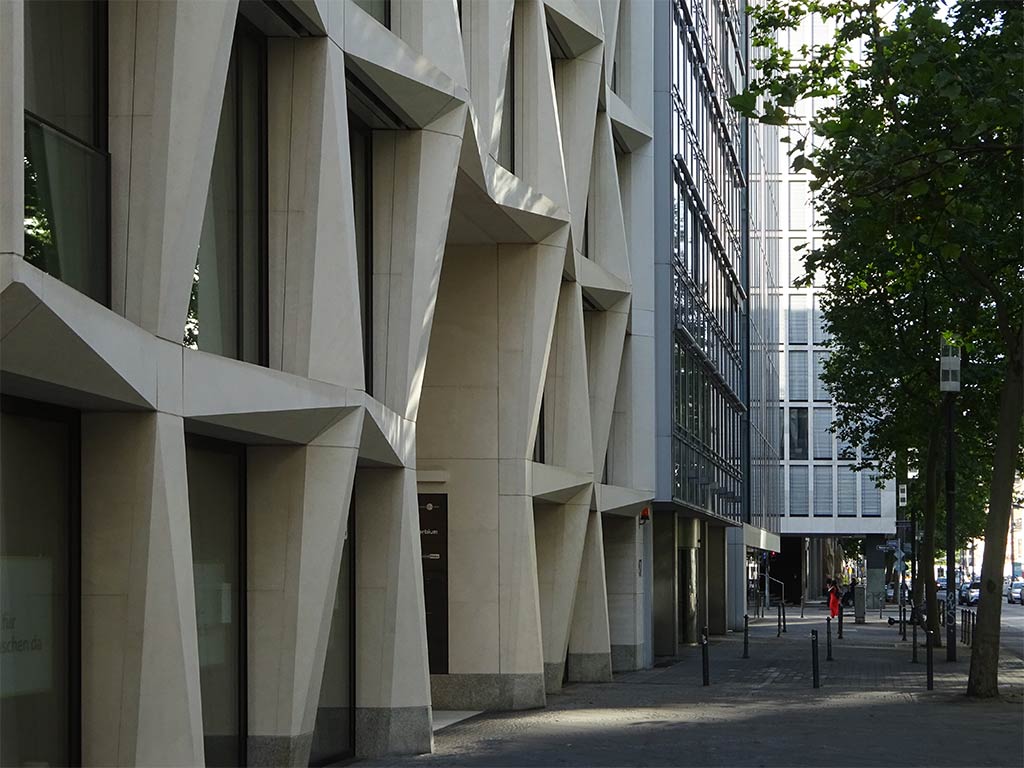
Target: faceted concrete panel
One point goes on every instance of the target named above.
(589, 639)
(135, 509)
(12, 126)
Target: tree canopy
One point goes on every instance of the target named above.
(915, 153)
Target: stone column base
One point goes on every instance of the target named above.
(487, 691)
(291, 751)
(590, 667)
(393, 731)
(626, 658)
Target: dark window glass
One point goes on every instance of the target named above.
(227, 308)
(797, 433)
(334, 734)
(506, 142)
(216, 501)
(379, 9)
(38, 590)
(361, 148)
(67, 195)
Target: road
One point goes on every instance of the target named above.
(1011, 633)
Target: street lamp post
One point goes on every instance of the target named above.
(949, 383)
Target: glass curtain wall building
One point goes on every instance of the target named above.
(708, 291)
(716, 315)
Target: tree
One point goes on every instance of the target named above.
(916, 163)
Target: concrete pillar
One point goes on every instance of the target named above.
(736, 577)
(695, 596)
(140, 658)
(561, 532)
(590, 658)
(876, 571)
(624, 563)
(666, 584)
(717, 613)
(298, 507)
(392, 678)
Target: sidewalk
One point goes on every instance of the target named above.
(872, 709)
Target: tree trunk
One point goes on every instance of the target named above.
(984, 678)
(926, 555)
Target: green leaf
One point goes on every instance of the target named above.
(745, 103)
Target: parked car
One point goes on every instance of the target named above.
(1020, 594)
(963, 593)
(940, 590)
(972, 593)
(1011, 589)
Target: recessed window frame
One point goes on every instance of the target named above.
(17, 406)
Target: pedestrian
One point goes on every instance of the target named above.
(833, 598)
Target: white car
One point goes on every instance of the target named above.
(1011, 590)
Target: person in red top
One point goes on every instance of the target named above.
(833, 598)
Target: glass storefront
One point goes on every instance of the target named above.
(216, 500)
(334, 734)
(38, 586)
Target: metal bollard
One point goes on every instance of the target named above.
(779, 633)
(839, 634)
(814, 658)
(704, 655)
(783, 616)
(913, 658)
(963, 627)
(828, 638)
(903, 612)
(974, 621)
(929, 659)
(746, 636)
(801, 606)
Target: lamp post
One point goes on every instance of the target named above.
(949, 383)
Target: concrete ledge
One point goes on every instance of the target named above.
(487, 691)
(590, 667)
(626, 658)
(291, 751)
(393, 731)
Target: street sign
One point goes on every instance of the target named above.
(901, 567)
(899, 553)
(892, 543)
(883, 547)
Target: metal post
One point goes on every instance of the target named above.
(746, 636)
(903, 621)
(783, 614)
(704, 655)
(828, 638)
(950, 532)
(839, 635)
(779, 633)
(814, 658)
(801, 606)
(928, 657)
(913, 658)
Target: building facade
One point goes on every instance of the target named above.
(826, 500)
(327, 341)
(716, 491)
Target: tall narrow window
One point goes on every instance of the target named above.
(822, 437)
(823, 491)
(216, 504)
(506, 142)
(67, 167)
(797, 374)
(379, 9)
(870, 496)
(798, 318)
(227, 308)
(846, 492)
(798, 491)
(820, 390)
(334, 733)
(361, 146)
(39, 586)
(798, 434)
